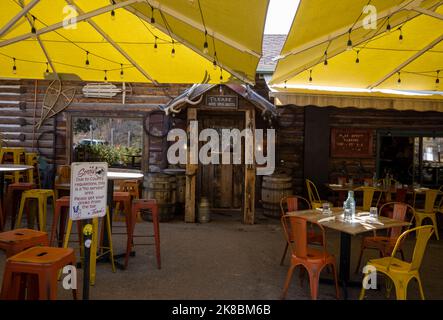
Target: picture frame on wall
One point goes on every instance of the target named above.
(352, 143)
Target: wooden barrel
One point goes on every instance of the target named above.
(274, 188)
(161, 187)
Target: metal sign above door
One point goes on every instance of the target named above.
(222, 101)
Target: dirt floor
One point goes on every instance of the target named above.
(224, 259)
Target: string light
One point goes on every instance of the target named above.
(388, 26)
(400, 37)
(106, 75)
(310, 75)
(358, 59)
(152, 15)
(14, 67)
(399, 78)
(437, 81)
(214, 63)
(155, 44)
(349, 44)
(173, 50)
(33, 30)
(221, 74)
(47, 69)
(112, 11)
(205, 45)
(121, 71)
(87, 58)
(286, 84)
(326, 58)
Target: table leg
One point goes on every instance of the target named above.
(109, 200)
(2, 186)
(345, 261)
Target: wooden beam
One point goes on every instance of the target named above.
(407, 62)
(63, 24)
(191, 176)
(17, 17)
(249, 193)
(429, 13)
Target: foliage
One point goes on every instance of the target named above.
(113, 155)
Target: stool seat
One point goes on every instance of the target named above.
(17, 240)
(34, 273)
(22, 185)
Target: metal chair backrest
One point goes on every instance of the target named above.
(293, 203)
(368, 197)
(313, 194)
(430, 199)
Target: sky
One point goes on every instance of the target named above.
(280, 16)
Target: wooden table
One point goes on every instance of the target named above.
(347, 230)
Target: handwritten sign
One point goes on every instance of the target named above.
(351, 143)
(222, 101)
(89, 185)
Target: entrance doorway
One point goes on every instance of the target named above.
(221, 184)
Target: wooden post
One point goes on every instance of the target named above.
(249, 193)
(191, 175)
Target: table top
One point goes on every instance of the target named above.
(123, 174)
(354, 227)
(393, 189)
(14, 167)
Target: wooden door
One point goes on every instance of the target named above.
(222, 184)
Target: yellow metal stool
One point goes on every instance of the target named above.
(16, 153)
(32, 175)
(42, 196)
(94, 244)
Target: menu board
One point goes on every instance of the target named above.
(89, 183)
(351, 143)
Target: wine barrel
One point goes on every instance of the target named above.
(161, 187)
(274, 188)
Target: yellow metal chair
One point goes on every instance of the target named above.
(401, 272)
(313, 195)
(429, 211)
(42, 196)
(16, 155)
(94, 244)
(32, 175)
(368, 197)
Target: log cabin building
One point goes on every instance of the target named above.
(311, 129)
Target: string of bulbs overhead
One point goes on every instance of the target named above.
(157, 41)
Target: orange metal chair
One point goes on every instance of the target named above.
(295, 203)
(124, 199)
(313, 260)
(40, 266)
(18, 240)
(385, 244)
(137, 205)
(60, 217)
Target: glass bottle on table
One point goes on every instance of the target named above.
(349, 207)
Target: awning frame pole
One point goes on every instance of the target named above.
(23, 12)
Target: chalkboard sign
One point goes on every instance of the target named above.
(351, 143)
(222, 101)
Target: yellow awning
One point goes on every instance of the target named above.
(133, 36)
(331, 45)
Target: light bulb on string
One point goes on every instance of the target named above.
(214, 62)
(155, 44)
(205, 45)
(399, 79)
(14, 67)
(400, 37)
(173, 50)
(106, 76)
(358, 58)
(152, 15)
(47, 69)
(310, 75)
(33, 30)
(326, 58)
(121, 71)
(388, 26)
(112, 11)
(349, 43)
(286, 87)
(437, 81)
(87, 58)
(221, 74)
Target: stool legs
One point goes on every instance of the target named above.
(155, 222)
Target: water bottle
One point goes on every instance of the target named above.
(349, 207)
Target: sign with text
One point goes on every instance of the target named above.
(351, 143)
(222, 101)
(89, 185)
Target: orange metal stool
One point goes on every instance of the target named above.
(17, 240)
(13, 196)
(124, 198)
(40, 266)
(60, 215)
(137, 205)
